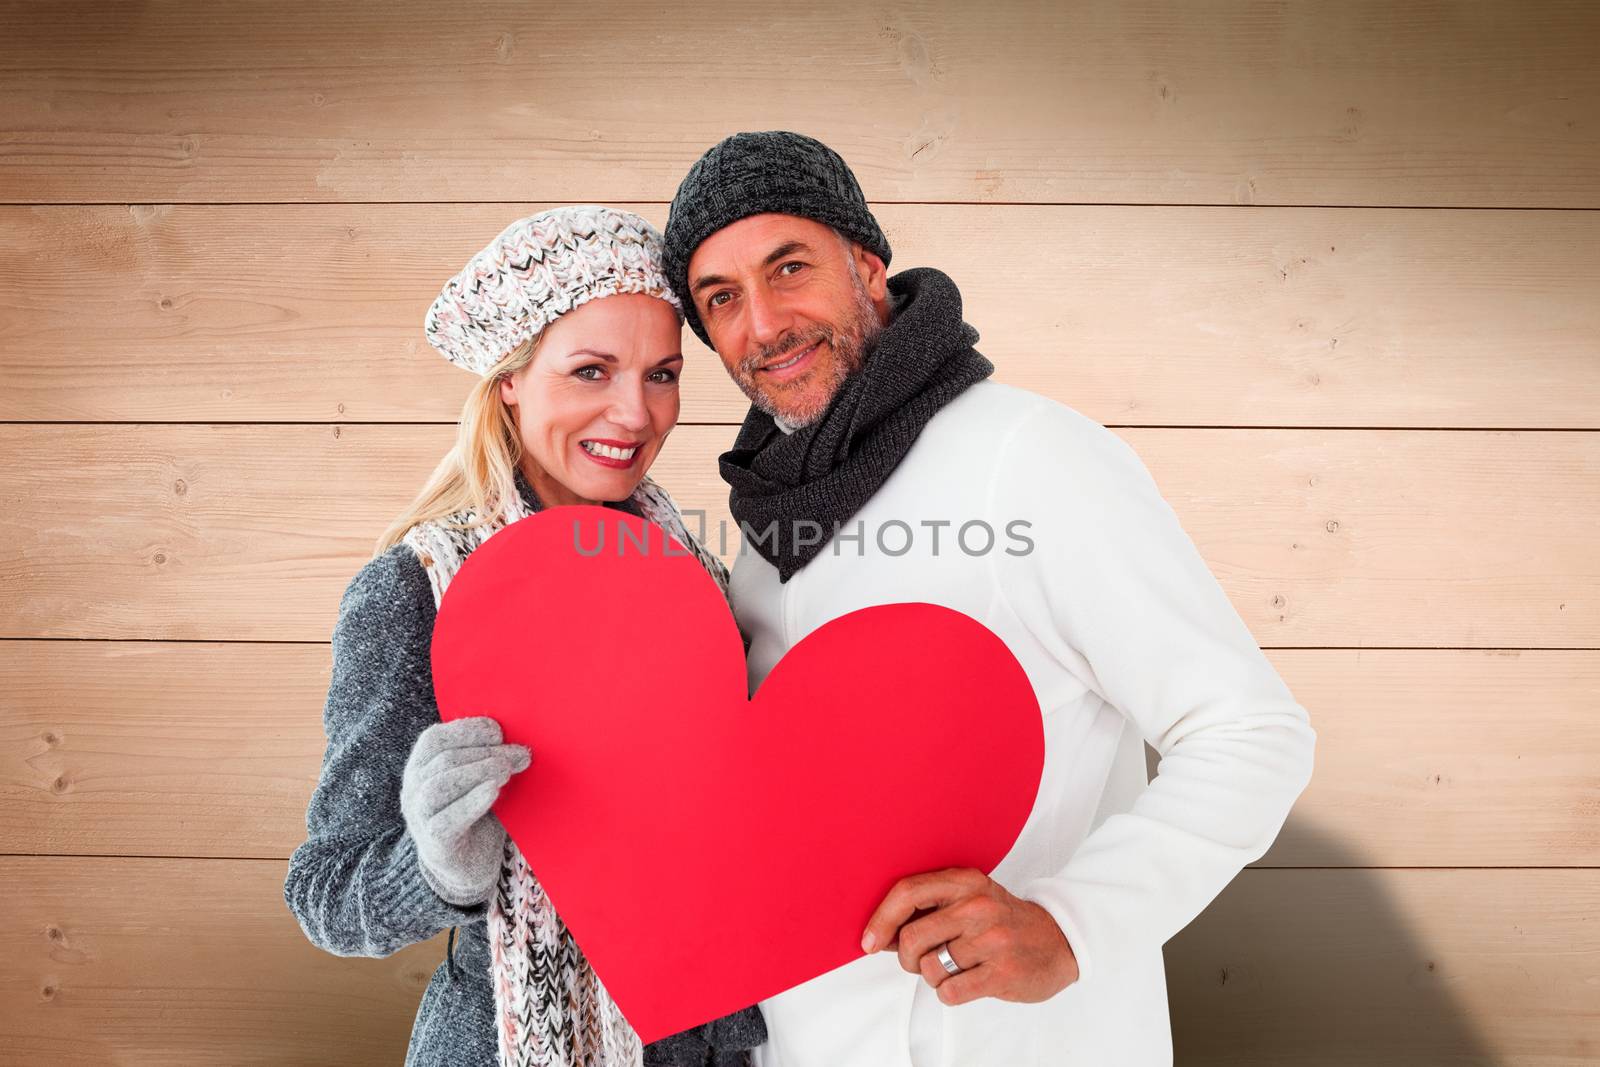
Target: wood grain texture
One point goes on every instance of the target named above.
(1168, 214)
(1320, 968)
(1157, 101)
(1446, 758)
(169, 961)
(1134, 315)
(1425, 758)
(1322, 538)
(146, 748)
(1287, 967)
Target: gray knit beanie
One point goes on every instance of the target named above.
(753, 173)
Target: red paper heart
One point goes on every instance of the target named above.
(707, 850)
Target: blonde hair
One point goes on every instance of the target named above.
(479, 471)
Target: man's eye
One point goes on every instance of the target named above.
(583, 372)
(792, 263)
(716, 299)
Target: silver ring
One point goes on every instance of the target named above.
(945, 961)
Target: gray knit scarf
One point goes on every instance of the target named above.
(550, 1008)
(823, 473)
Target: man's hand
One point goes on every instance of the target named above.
(1006, 947)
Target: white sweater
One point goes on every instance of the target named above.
(1127, 638)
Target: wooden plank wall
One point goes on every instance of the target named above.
(1332, 269)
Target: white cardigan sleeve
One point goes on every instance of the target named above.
(1119, 595)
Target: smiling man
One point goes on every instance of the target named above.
(789, 356)
(878, 464)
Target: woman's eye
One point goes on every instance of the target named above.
(583, 372)
(666, 375)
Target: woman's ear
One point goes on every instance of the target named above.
(508, 389)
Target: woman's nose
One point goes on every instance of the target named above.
(628, 408)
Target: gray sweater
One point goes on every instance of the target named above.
(354, 885)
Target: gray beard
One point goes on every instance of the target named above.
(851, 346)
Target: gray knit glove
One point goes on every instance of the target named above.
(453, 775)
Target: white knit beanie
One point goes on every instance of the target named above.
(539, 268)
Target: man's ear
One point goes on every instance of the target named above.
(874, 275)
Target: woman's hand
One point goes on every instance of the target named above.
(452, 777)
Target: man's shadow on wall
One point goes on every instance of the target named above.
(1315, 966)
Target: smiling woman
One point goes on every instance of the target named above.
(575, 334)
(579, 410)
(563, 396)
(597, 398)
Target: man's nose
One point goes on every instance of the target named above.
(769, 318)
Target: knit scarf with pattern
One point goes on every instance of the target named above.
(550, 1008)
(823, 473)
